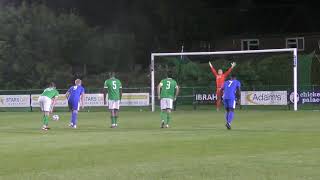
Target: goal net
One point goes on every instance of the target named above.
(269, 77)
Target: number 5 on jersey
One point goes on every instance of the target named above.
(114, 85)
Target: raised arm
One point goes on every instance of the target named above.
(233, 64)
(214, 72)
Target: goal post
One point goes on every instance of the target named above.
(290, 50)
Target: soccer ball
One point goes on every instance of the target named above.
(55, 117)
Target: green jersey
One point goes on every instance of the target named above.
(50, 93)
(168, 88)
(113, 85)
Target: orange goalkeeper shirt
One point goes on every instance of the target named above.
(220, 78)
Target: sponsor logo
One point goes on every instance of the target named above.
(264, 97)
(306, 97)
(128, 96)
(258, 99)
(14, 100)
(206, 97)
(135, 99)
(94, 100)
(129, 99)
(291, 97)
(2, 101)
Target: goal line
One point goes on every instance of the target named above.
(292, 50)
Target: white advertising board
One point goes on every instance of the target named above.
(14, 100)
(135, 99)
(264, 98)
(128, 99)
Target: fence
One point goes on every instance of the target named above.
(190, 98)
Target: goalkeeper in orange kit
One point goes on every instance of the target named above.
(220, 78)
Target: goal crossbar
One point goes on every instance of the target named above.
(292, 50)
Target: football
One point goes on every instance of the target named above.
(55, 117)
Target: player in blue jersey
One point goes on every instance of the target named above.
(231, 90)
(75, 96)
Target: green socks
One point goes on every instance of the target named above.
(113, 121)
(165, 116)
(45, 120)
(168, 118)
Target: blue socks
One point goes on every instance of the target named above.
(74, 117)
(229, 116)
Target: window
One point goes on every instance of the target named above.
(249, 44)
(205, 45)
(297, 42)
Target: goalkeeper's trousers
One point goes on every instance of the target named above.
(219, 95)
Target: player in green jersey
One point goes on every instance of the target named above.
(114, 88)
(47, 101)
(168, 91)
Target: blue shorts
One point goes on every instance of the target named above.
(74, 105)
(229, 103)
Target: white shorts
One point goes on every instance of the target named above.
(45, 103)
(166, 103)
(114, 104)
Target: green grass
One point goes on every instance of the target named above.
(263, 145)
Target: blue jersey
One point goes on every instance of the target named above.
(75, 93)
(230, 88)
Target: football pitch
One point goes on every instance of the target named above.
(263, 145)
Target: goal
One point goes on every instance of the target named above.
(292, 51)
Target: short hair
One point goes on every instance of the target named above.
(77, 81)
(170, 74)
(233, 76)
(52, 84)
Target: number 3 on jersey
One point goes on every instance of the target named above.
(168, 85)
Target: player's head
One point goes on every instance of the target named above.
(169, 74)
(220, 72)
(78, 82)
(233, 76)
(112, 74)
(52, 85)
